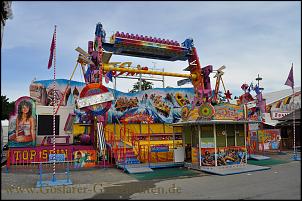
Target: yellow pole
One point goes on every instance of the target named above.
(223, 85)
(108, 67)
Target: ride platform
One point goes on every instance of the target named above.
(147, 167)
(258, 157)
(229, 169)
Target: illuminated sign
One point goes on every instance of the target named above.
(95, 99)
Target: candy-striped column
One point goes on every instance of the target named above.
(54, 108)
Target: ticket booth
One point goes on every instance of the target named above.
(214, 143)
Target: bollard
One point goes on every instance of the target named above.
(40, 172)
(67, 171)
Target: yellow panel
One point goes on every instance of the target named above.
(178, 129)
(168, 128)
(170, 142)
(145, 129)
(134, 128)
(79, 129)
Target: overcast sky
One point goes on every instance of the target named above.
(249, 38)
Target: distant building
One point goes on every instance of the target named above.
(280, 106)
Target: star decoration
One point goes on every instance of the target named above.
(228, 95)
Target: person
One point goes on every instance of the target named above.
(25, 123)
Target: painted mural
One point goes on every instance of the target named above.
(84, 158)
(207, 156)
(225, 156)
(162, 105)
(159, 105)
(22, 123)
(269, 139)
(224, 111)
(42, 91)
(252, 141)
(228, 112)
(153, 106)
(231, 155)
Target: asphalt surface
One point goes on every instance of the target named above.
(282, 181)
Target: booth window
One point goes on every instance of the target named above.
(220, 135)
(207, 131)
(207, 136)
(45, 125)
(230, 132)
(195, 138)
(239, 131)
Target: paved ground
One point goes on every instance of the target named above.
(282, 181)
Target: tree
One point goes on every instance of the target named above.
(144, 86)
(7, 107)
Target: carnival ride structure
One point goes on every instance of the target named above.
(140, 140)
(96, 64)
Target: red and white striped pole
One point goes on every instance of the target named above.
(54, 108)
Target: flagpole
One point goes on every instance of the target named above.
(294, 128)
(295, 153)
(54, 108)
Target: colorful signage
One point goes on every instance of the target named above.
(37, 154)
(228, 111)
(44, 154)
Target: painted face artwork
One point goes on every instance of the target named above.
(25, 109)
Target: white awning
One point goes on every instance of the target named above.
(269, 121)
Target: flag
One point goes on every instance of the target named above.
(251, 87)
(87, 74)
(257, 89)
(290, 78)
(108, 77)
(52, 48)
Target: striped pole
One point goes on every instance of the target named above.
(294, 129)
(54, 109)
